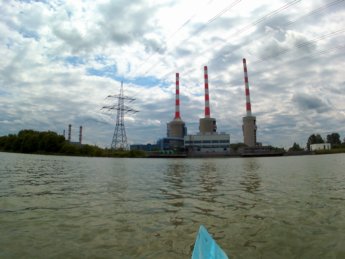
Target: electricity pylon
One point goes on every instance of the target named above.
(119, 140)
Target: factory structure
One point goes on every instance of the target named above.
(176, 129)
(208, 141)
(70, 134)
(249, 121)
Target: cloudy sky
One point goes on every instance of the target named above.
(61, 59)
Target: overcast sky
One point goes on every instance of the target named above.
(61, 59)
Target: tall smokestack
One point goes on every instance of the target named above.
(207, 125)
(248, 105)
(69, 132)
(80, 134)
(177, 128)
(249, 122)
(207, 97)
(177, 103)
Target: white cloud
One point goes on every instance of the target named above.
(59, 60)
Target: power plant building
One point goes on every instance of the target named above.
(207, 141)
(70, 133)
(200, 144)
(176, 129)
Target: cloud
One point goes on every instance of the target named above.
(154, 46)
(124, 22)
(309, 102)
(60, 59)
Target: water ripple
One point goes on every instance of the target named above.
(140, 208)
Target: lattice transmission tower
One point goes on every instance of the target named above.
(119, 140)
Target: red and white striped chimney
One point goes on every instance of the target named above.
(248, 105)
(207, 97)
(177, 96)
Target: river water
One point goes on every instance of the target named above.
(74, 207)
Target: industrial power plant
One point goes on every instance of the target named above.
(207, 142)
(69, 134)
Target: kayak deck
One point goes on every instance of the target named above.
(205, 247)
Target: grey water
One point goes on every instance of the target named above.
(75, 207)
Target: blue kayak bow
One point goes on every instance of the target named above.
(205, 247)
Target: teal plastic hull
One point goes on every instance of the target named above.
(205, 247)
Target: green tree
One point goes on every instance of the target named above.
(295, 147)
(50, 141)
(314, 139)
(29, 143)
(334, 139)
(70, 149)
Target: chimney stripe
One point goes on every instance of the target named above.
(246, 84)
(207, 97)
(177, 97)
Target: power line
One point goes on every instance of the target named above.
(256, 22)
(321, 52)
(300, 45)
(243, 29)
(270, 15)
(223, 11)
(226, 9)
(315, 11)
(172, 35)
(312, 12)
(288, 24)
(261, 19)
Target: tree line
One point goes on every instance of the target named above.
(333, 138)
(49, 142)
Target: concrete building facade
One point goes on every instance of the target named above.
(207, 125)
(249, 121)
(207, 144)
(320, 146)
(249, 131)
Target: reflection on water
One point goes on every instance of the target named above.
(208, 178)
(251, 180)
(174, 192)
(69, 207)
(175, 172)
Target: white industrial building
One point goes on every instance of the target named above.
(208, 144)
(320, 146)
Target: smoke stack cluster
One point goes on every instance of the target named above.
(70, 134)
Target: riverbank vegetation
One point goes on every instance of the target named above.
(48, 142)
(337, 146)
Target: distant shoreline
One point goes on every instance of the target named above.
(136, 154)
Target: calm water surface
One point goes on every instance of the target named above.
(70, 207)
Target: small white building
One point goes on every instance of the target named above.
(320, 146)
(208, 144)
